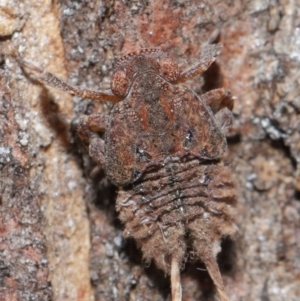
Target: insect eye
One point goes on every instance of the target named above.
(169, 69)
(119, 83)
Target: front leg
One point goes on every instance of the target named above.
(208, 56)
(88, 130)
(55, 82)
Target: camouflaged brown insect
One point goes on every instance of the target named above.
(163, 147)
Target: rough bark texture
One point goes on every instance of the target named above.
(49, 246)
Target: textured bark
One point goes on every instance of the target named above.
(49, 247)
(44, 226)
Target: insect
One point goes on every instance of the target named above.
(163, 148)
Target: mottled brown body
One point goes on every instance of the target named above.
(157, 119)
(185, 203)
(163, 147)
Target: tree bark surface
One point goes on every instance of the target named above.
(60, 238)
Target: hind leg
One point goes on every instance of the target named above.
(218, 99)
(221, 103)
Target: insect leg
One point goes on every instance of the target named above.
(225, 120)
(88, 130)
(53, 81)
(218, 99)
(208, 56)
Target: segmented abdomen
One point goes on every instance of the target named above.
(182, 204)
